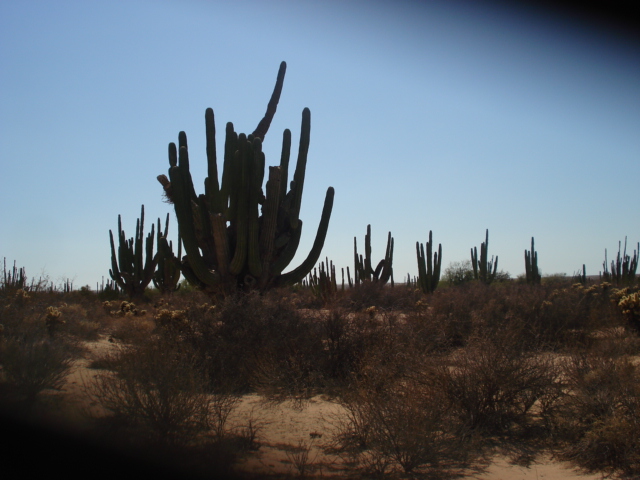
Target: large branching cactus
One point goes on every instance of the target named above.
(484, 270)
(531, 271)
(167, 275)
(235, 235)
(428, 270)
(131, 269)
(623, 268)
(363, 266)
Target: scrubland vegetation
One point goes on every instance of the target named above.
(430, 384)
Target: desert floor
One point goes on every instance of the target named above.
(282, 428)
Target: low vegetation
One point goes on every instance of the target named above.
(430, 384)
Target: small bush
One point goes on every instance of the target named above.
(406, 427)
(600, 417)
(492, 385)
(156, 389)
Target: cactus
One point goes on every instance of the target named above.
(484, 270)
(363, 269)
(581, 277)
(16, 279)
(228, 244)
(128, 269)
(323, 281)
(428, 271)
(531, 266)
(167, 275)
(624, 268)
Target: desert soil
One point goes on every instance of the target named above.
(283, 427)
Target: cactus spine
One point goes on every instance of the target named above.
(129, 270)
(531, 266)
(428, 271)
(167, 275)
(484, 270)
(363, 269)
(228, 244)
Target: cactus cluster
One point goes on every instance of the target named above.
(323, 281)
(484, 270)
(363, 266)
(532, 273)
(236, 236)
(133, 265)
(623, 268)
(167, 275)
(428, 270)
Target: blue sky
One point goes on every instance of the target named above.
(446, 116)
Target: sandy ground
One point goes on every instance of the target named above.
(283, 427)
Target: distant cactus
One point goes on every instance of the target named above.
(484, 270)
(15, 279)
(531, 266)
(167, 275)
(428, 270)
(323, 281)
(623, 269)
(363, 268)
(129, 269)
(581, 277)
(228, 244)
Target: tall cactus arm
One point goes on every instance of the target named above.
(306, 266)
(255, 192)
(264, 124)
(301, 165)
(212, 162)
(387, 270)
(284, 163)
(182, 203)
(269, 222)
(285, 257)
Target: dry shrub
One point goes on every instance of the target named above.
(158, 391)
(493, 384)
(30, 364)
(31, 359)
(600, 417)
(368, 294)
(404, 428)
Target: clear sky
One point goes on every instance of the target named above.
(446, 116)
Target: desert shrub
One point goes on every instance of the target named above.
(405, 427)
(373, 294)
(156, 390)
(32, 357)
(493, 384)
(31, 362)
(600, 416)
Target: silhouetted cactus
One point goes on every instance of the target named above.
(623, 268)
(484, 270)
(167, 275)
(531, 266)
(228, 244)
(363, 269)
(428, 270)
(323, 281)
(132, 269)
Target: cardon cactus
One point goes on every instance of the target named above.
(236, 236)
(167, 275)
(129, 269)
(532, 273)
(623, 268)
(363, 269)
(484, 270)
(428, 270)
